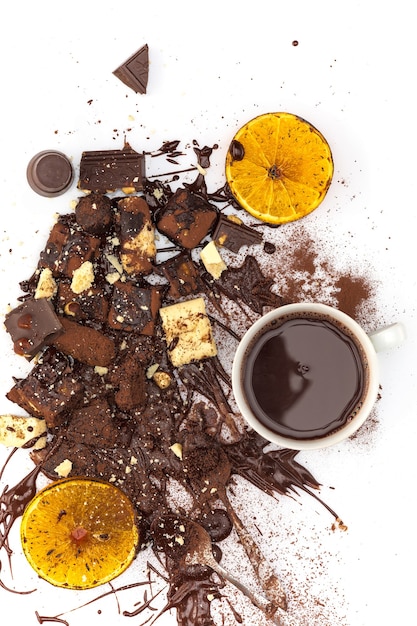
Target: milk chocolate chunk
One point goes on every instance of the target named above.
(137, 236)
(50, 173)
(186, 219)
(85, 344)
(135, 70)
(32, 325)
(108, 170)
(233, 234)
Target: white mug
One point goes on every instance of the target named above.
(327, 323)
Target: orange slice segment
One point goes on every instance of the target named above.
(79, 533)
(279, 167)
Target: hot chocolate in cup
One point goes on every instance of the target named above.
(306, 375)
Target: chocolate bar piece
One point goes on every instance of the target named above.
(137, 236)
(135, 70)
(186, 219)
(134, 308)
(108, 170)
(51, 389)
(182, 274)
(67, 249)
(32, 325)
(88, 305)
(233, 235)
(188, 332)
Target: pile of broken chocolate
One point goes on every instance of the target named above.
(126, 374)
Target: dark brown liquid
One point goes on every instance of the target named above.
(305, 378)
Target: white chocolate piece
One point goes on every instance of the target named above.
(188, 332)
(64, 469)
(82, 277)
(46, 287)
(177, 450)
(17, 431)
(162, 379)
(212, 260)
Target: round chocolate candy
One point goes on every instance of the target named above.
(50, 173)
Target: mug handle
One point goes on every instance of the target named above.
(388, 336)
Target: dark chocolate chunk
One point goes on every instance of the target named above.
(91, 304)
(108, 170)
(186, 219)
(32, 325)
(51, 389)
(50, 173)
(135, 70)
(134, 308)
(67, 249)
(234, 235)
(182, 274)
(94, 213)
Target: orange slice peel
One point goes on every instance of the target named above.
(279, 167)
(79, 533)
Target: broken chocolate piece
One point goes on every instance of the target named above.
(50, 173)
(212, 260)
(233, 235)
(128, 377)
(182, 274)
(94, 213)
(137, 236)
(17, 431)
(135, 70)
(186, 219)
(85, 344)
(32, 325)
(50, 390)
(248, 284)
(134, 308)
(67, 249)
(91, 304)
(108, 170)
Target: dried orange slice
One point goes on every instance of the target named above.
(279, 167)
(79, 533)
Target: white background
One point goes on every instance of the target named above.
(214, 66)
